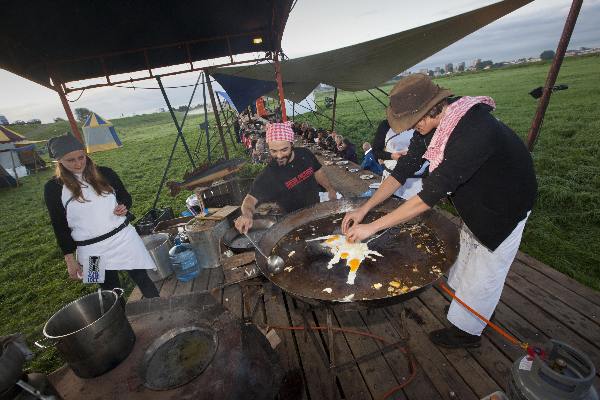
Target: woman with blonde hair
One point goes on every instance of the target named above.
(89, 211)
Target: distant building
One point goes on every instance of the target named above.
(475, 62)
(423, 71)
(437, 71)
(461, 67)
(3, 120)
(449, 68)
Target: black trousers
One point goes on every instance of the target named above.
(139, 276)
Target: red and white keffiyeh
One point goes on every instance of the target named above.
(280, 132)
(452, 115)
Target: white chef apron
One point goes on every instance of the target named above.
(478, 276)
(95, 217)
(395, 142)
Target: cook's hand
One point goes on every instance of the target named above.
(74, 269)
(353, 217)
(396, 155)
(120, 210)
(359, 232)
(332, 195)
(243, 223)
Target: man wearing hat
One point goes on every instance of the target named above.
(291, 179)
(487, 173)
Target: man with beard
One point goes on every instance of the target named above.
(291, 179)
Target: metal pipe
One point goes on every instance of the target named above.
(216, 111)
(553, 73)
(70, 117)
(131, 80)
(179, 131)
(226, 121)
(279, 86)
(334, 106)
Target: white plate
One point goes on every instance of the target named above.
(375, 185)
(342, 162)
(354, 170)
(365, 177)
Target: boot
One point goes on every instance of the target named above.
(454, 338)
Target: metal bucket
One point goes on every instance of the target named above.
(90, 341)
(158, 246)
(206, 241)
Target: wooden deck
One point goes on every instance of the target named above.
(537, 303)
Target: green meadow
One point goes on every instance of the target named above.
(563, 230)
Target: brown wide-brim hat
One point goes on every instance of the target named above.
(411, 98)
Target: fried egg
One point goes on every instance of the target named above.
(352, 253)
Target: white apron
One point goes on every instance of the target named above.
(395, 142)
(87, 220)
(478, 276)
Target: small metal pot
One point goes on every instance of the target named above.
(158, 246)
(90, 341)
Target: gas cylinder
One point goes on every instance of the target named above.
(563, 373)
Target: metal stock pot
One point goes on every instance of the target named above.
(92, 333)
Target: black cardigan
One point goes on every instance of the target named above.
(487, 172)
(58, 216)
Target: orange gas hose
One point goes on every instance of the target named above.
(410, 358)
(495, 327)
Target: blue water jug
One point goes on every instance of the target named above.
(184, 261)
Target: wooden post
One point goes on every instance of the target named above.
(279, 87)
(70, 117)
(334, 105)
(553, 73)
(216, 111)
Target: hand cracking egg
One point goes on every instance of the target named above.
(353, 253)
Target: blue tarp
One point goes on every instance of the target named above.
(243, 91)
(226, 97)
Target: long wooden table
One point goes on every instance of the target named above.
(538, 303)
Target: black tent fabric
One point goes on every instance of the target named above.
(73, 40)
(369, 64)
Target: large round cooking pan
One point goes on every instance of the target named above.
(238, 243)
(406, 268)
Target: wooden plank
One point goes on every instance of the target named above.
(232, 300)
(168, 287)
(447, 381)
(555, 308)
(350, 379)
(376, 371)
(287, 349)
(472, 373)
(215, 282)
(564, 280)
(420, 387)
(496, 364)
(542, 325)
(184, 287)
(548, 285)
(135, 295)
(315, 371)
(201, 281)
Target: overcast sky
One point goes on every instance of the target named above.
(315, 26)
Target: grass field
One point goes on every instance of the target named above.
(563, 231)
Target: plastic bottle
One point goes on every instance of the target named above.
(184, 260)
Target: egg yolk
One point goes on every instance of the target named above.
(354, 263)
(344, 256)
(332, 239)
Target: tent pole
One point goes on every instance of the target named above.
(226, 120)
(216, 111)
(206, 129)
(179, 131)
(334, 106)
(70, 117)
(553, 73)
(293, 111)
(12, 157)
(363, 109)
(377, 98)
(279, 86)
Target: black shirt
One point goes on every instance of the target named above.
(58, 217)
(378, 144)
(292, 186)
(487, 172)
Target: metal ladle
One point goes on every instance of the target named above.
(274, 262)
